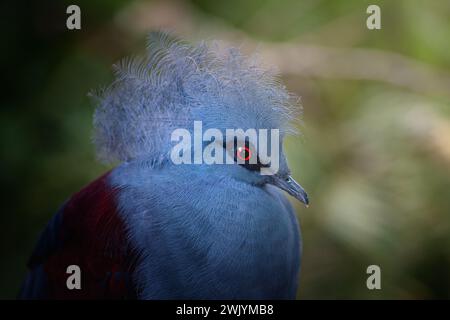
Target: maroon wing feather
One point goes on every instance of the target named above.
(89, 233)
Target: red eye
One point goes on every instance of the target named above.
(244, 153)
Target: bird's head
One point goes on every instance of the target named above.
(176, 88)
(258, 160)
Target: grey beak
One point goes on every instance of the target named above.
(291, 186)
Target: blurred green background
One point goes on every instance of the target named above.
(374, 155)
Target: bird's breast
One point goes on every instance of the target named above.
(203, 239)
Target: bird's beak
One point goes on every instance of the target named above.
(291, 186)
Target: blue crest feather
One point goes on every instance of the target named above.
(177, 83)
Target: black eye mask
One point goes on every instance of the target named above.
(245, 153)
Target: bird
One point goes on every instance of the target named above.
(152, 229)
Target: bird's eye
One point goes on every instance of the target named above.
(244, 153)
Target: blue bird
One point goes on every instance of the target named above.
(154, 229)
